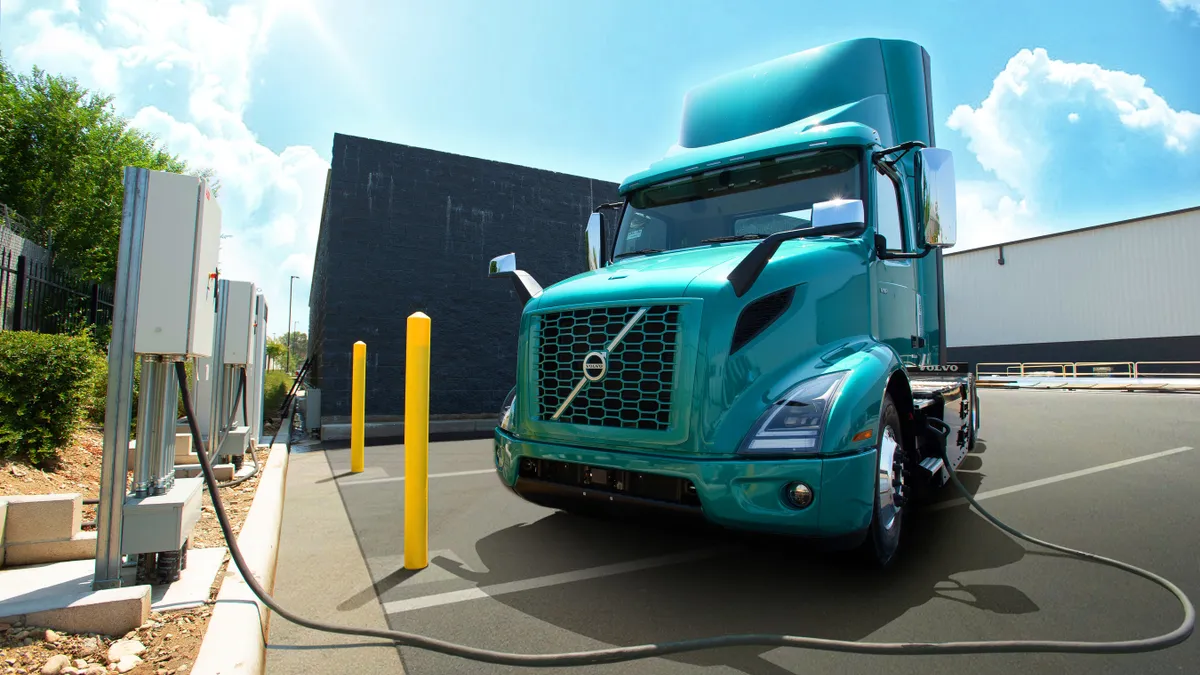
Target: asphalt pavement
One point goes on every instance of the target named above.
(1113, 473)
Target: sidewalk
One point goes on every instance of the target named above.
(319, 568)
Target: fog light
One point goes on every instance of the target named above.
(799, 495)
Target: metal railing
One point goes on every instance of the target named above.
(36, 296)
(1076, 369)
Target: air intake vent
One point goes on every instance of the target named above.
(760, 314)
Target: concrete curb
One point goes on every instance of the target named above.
(236, 637)
(341, 432)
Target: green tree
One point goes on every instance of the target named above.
(277, 350)
(299, 343)
(63, 150)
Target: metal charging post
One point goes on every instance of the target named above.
(163, 306)
(119, 401)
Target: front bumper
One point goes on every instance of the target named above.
(740, 494)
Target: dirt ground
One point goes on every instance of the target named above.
(172, 639)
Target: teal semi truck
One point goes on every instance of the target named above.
(759, 339)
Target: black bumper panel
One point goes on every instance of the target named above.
(556, 495)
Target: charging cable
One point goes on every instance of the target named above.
(645, 651)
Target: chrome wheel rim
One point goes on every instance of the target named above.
(891, 480)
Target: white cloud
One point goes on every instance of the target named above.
(1030, 127)
(270, 202)
(1182, 5)
(989, 213)
(1008, 134)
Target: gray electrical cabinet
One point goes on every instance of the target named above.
(239, 323)
(178, 261)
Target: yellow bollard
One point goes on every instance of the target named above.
(358, 403)
(416, 444)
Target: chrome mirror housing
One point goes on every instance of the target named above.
(594, 241)
(506, 266)
(502, 265)
(838, 212)
(937, 214)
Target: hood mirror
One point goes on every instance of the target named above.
(502, 265)
(506, 266)
(838, 212)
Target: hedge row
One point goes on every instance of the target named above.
(48, 383)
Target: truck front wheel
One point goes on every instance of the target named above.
(883, 536)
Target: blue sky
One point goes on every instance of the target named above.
(1060, 114)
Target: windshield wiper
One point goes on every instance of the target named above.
(742, 277)
(735, 237)
(637, 252)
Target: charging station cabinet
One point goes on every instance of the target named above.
(239, 324)
(177, 284)
(175, 228)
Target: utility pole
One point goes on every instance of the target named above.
(289, 323)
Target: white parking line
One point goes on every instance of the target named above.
(452, 597)
(397, 479)
(999, 492)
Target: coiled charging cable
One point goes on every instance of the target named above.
(646, 651)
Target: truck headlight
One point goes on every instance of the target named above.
(794, 423)
(506, 410)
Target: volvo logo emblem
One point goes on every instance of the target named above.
(595, 365)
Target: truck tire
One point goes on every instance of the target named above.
(887, 518)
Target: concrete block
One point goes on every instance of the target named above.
(79, 547)
(222, 472)
(184, 453)
(183, 444)
(112, 612)
(33, 518)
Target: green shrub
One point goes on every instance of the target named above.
(44, 386)
(276, 384)
(96, 389)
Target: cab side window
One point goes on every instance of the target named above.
(887, 212)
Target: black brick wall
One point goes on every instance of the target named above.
(407, 229)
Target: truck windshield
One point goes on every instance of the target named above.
(748, 201)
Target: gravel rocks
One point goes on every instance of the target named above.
(56, 664)
(122, 648)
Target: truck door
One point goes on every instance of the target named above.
(899, 312)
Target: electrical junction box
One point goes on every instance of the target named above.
(181, 234)
(312, 409)
(162, 522)
(239, 323)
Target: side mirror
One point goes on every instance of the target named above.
(502, 265)
(597, 235)
(937, 215)
(838, 212)
(506, 266)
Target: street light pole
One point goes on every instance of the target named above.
(289, 323)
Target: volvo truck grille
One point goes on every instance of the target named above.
(583, 378)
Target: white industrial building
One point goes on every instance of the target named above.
(1121, 292)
